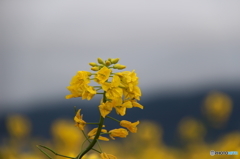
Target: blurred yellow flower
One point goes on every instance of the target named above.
(66, 140)
(121, 132)
(103, 75)
(130, 126)
(218, 107)
(107, 156)
(18, 126)
(79, 121)
(191, 129)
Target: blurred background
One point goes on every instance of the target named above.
(186, 55)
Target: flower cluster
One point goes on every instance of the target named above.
(120, 91)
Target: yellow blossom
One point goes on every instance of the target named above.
(78, 84)
(121, 106)
(129, 81)
(88, 92)
(121, 132)
(81, 78)
(135, 103)
(79, 121)
(93, 132)
(112, 89)
(75, 92)
(128, 78)
(103, 74)
(135, 93)
(107, 156)
(105, 108)
(130, 126)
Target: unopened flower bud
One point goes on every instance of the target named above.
(116, 66)
(92, 64)
(114, 61)
(108, 63)
(109, 59)
(95, 68)
(121, 67)
(100, 61)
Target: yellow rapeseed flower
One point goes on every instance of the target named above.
(103, 75)
(112, 89)
(88, 92)
(121, 132)
(135, 93)
(79, 84)
(79, 121)
(121, 106)
(105, 108)
(128, 79)
(135, 103)
(107, 156)
(130, 126)
(93, 132)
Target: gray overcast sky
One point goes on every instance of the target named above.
(171, 44)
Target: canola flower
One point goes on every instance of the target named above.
(120, 91)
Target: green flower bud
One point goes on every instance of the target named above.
(95, 68)
(92, 64)
(108, 63)
(121, 67)
(114, 61)
(116, 66)
(100, 61)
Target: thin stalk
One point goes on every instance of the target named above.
(97, 134)
(113, 118)
(89, 141)
(93, 123)
(55, 153)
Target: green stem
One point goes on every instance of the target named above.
(97, 134)
(99, 145)
(105, 133)
(113, 118)
(83, 144)
(89, 141)
(55, 153)
(93, 123)
(44, 152)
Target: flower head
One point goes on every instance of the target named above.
(130, 126)
(121, 132)
(79, 121)
(107, 156)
